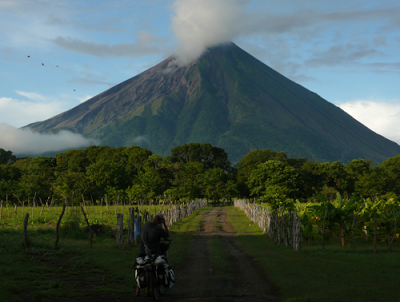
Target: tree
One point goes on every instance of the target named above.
(187, 181)
(105, 174)
(38, 175)
(9, 178)
(250, 162)
(210, 156)
(213, 183)
(274, 182)
(337, 177)
(372, 183)
(6, 157)
(355, 169)
(312, 178)
(392, 169)
(152, 181)
(68, 182)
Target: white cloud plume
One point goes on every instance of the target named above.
(199, 24)
(383, 117)
(24, 141)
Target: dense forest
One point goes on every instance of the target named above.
(192, 171)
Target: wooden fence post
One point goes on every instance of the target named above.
(41, 212)
(120, 230)
(107, 204)
(58, 224)
(101, 207)
(129, 226)
(323, 229)
(26, 241)
(116, 206)
(90, 228)
(94, 208)
(33, 204)
(296, 232)
(8, 212)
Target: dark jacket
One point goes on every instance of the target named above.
(151, 235)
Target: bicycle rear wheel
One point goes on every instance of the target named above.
(163, 290)
(154, 288)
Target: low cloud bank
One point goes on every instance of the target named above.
(26, 142)
(383, 117)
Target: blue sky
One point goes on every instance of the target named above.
(345, 51)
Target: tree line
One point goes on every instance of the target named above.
(193, 171)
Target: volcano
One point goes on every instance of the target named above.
(226, 98)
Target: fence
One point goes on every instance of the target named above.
(172, 214)
(283, 227)
(137, 218)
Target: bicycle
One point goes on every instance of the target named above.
(154, 267)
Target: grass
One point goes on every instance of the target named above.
(182, 234)
(219, 258)
(44, 273)
(339, 274)
(96, 214)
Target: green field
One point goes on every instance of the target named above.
(45, 273)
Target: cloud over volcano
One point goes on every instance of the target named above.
(199, 24)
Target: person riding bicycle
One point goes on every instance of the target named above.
(152, 232)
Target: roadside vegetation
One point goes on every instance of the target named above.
(350, 204)
(42, 272)
(338, 274)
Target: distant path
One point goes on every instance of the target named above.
(197, 281)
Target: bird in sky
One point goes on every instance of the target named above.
(42, 64)
(29, 56)
(74, 89)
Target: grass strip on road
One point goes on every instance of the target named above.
(311, 275)
(182, 233)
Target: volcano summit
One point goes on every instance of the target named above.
(226, 98)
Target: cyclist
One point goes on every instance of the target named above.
(152, 232)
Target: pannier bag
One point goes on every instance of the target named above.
(162, 278)
(141, 277)
(170, 277)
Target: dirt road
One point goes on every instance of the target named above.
(197, 280)
(200, 277)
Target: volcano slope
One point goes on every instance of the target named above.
(226, 98)
(228, 274)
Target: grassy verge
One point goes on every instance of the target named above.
(311, 275)
(43, 273)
